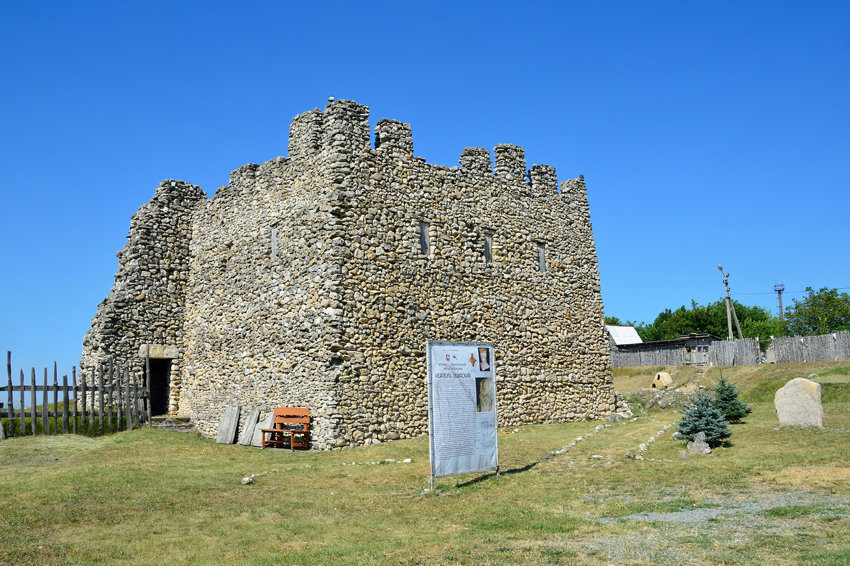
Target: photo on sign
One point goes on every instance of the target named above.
(484, 394)
(484, 359)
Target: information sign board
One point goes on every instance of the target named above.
(461, 408)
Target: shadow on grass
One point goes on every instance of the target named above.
(510, 472)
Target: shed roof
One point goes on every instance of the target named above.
(622, 335)
(678, 340)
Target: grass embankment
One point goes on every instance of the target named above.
(776, 496)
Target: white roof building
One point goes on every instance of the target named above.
(622, 335)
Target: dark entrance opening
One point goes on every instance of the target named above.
(159, 382)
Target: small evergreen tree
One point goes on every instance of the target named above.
(727, 402)
(701, 416)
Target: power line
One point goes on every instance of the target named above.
(803, 291)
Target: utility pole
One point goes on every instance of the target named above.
(779, 287)
(730, 308)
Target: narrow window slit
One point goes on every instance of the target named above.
(541, 257)
(488, 248)
(424, 238)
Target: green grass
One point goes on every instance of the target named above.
(753, 381)
(84, 427)
(155, 497)
(793, 511)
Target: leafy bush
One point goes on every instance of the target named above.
(727, 402)
(711, 318)
(818, 312)
(701, 416)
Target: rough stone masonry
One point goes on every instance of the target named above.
(315, 280)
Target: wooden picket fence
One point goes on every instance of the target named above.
(740, 352)
(104, 399)
(822, 348)
(745, 351)
(657, 355)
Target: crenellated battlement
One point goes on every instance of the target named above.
(510, 163)
(393, 136)
(340, 132)
(305, 134)
(475, 162)
(543, 180)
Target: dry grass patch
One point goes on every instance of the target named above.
(833, 476)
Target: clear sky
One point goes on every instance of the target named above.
(708, 133)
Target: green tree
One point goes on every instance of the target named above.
(701, 416)
(727, 402)
(819, 312)
(711, 318)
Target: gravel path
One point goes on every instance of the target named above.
(712, 535)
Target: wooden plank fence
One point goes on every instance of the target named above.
(822, 348)
(105, 399)
(740, 352)
(661, 355)
(785, 349)
(720, 353)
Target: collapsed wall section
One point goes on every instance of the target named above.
(145, 306)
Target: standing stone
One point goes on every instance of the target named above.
(257, 438)
(227, 427)
(699, 445)
(798, 403)
(2, 432)
(248, 428)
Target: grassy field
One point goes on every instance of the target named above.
(776, 496)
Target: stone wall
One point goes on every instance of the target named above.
(146, 303)
(546, 326)
(309, 283)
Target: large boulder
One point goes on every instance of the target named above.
(798, 403)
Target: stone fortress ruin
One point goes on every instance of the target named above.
(315, 280)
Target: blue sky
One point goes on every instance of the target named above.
(707, 132)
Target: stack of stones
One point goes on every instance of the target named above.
(308, 281)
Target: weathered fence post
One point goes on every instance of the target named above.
(55, 399)
(128, 398)
(100, 398)
(83, 422)
(23, 405)
(93, 399)
(74, 389)
(45, 422)
(11, 394)
(147, 383)
(109, 391)
(119, 398)
(32, 401)
(65, 428)
(135, 397)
